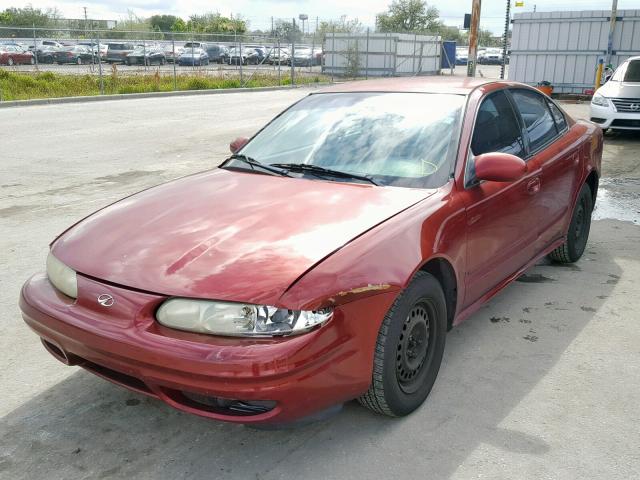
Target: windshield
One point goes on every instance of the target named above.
(195, 51)
(402, 139)
(628, 72)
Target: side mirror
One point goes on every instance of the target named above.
(499, 167)
(237, 144)
(607, 78)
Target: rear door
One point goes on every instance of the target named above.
(557, 152)
(501, 217)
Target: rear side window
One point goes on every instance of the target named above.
(497, 128)
(558, 116)
(536, 116)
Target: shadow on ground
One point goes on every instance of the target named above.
(84, 427)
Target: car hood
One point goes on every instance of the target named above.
(226, 235)
(620, 89)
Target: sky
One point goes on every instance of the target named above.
(259, 12)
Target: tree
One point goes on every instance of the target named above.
(340, 26)
(163, 23)
(179, 25)
(408, 16)
(216, 23)
(27, 17)
(287, 31)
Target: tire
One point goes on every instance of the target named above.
(573, 247)
(404, 370)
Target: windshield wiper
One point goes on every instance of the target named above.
(253, 163)
(307, 167)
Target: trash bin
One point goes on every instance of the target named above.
(545, 87)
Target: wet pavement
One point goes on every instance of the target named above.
(618, 199)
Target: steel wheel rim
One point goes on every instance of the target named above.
(581, 220)
(414, 347)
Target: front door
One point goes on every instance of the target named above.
(502, 221)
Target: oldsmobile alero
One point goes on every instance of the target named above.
(328, 256)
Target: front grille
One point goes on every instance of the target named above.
(626, 123)
(627, 105)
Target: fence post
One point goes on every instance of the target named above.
(333, 51)
(100, 64)
(175, 78)
(241, 61)
(279, 60)
(293, 53)
(366, 58)
(35, 45)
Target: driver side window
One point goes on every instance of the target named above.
(497, 129)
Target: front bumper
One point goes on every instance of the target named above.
(608, 117)
(299, 375)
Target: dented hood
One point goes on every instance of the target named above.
(226, 235)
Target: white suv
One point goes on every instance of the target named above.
(617, 103)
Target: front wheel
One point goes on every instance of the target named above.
(573, 247)
(409, 349)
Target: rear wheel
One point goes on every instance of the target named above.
(573, 247)
(409, 349)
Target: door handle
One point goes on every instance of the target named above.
(533, 186)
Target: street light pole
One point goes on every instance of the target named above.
(473, 38)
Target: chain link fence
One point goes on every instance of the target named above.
(165, 60)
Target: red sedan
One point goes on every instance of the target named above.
(16, 55)
(326, 259)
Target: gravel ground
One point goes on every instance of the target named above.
(542, 383)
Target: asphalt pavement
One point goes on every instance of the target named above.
(542, 383)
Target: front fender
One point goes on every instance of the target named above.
(386, 258)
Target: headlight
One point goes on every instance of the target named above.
(237, 319)
(62, 277)
(600, 100)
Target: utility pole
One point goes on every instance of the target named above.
(473, 38)
(85, 21)
(272, 26)
(612, 27)
(505, 39)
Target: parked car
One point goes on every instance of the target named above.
(302, 56)
(117, 52)
(278, 56)
(462, 55)
(45, 53)
(13, 54)
(237, 56)
(47, 43)
(491, 56)
(318, 55)
(616, 104)
(193, 56)
(218, 53)
(147, 55)
(99, 50)
(77, 54)
(172, 52)
(326, 259)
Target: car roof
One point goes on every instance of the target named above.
(435, 84)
